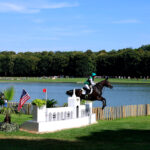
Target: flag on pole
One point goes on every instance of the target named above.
(24, 97)
(44, 90)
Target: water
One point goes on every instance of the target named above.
(121, 94)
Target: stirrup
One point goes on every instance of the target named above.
(86, 96)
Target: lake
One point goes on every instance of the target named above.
(121, 94)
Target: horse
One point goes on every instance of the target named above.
(96, 93)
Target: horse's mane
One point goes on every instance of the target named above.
(100, 83)
(104, 83)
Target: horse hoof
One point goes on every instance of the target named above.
(103, 107)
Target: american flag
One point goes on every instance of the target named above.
(24, 97)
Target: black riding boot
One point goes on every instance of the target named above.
(87, 91)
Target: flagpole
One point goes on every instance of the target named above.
(46, 104)
(46, 96)
(45, 91)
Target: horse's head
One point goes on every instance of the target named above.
(106, 83)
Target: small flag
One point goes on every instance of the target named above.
(24, 97)
(44, 90)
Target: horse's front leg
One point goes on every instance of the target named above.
(103, 100)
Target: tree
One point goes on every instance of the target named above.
(23, 65)
(59, 65)
(6, 65)
(145, 47)
(83, 65)
(44, 66)
(8, 95)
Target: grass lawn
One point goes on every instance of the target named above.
(121, 134)
(65, 80)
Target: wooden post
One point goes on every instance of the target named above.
(147, 109)
(97, 113)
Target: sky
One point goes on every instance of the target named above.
(68, 25)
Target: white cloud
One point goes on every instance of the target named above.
(4, 7)
(32, 7)
(59, 5)
(126, 21)
(67, 31)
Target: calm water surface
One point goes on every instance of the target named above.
(121, 94)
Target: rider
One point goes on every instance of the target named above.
(89, 83)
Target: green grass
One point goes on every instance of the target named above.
(121, 134)
(67, 80)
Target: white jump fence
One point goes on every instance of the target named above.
(64, 113)
(53, 119)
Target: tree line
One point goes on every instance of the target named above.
(123, 62)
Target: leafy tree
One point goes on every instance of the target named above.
(122, 62)
(23, 66)
(44, 66)
(145, 47)
(82, 65)
(59, 65)
(6, 65)
(7, 111)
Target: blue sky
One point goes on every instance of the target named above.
(66, 25)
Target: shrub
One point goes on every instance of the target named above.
(65, 105)
(2, 98)
(7, 111)
(7, 127)
(9, 93)
(39, 102)
(82, 102)
(2, 102)
(51, 103)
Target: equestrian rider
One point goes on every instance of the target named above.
(89, 83)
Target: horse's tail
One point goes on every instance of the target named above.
(70, 92)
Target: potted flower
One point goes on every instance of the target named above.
(39, 110)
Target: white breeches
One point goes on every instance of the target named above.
(87, 86)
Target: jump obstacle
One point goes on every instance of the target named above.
(54, 119)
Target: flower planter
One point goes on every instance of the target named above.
(39, 114)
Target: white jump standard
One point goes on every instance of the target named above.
(54, 119)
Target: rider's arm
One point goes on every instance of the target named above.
(91, 81)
